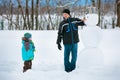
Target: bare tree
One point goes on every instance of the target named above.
(2, 24)
(11, 15)
(18, 21)
(99, 12)
(5, 7)
(93, 3)
(32, 15)
(27, 14)
(85, 6)
(118, 12)
(24, 18)
(49, 16)
(36, 17)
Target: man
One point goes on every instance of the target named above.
(68, 31)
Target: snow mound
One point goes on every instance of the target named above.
(91, 19)
(91, 36)
(91, 57)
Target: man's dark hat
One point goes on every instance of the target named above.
(66, 11)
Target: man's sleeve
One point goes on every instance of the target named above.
(59, 37)
(80, 22)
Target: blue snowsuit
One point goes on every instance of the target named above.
(27, 54)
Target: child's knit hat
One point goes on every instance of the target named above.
(27, 35)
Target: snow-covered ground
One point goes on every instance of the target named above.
(98, 55)
(48, 62)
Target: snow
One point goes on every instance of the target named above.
(48, 62)
(97, 61)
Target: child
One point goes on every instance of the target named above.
(28, 49)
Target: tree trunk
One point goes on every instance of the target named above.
(32, 15)
(36, 17)
(27, 14)
(24, 18)
(2, 24)
(17, 18)
(93, 3)
(49, 17)
(99, 10)
(118, 12)
(85, 7)
(11, 15)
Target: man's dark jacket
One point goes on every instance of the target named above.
(68, 31)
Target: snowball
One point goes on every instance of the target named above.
(91, 19)
(91, 36)
(91, 57)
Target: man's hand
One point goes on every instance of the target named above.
(84, 19)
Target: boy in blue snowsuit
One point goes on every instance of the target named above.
(68, 32)
(28, 49)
